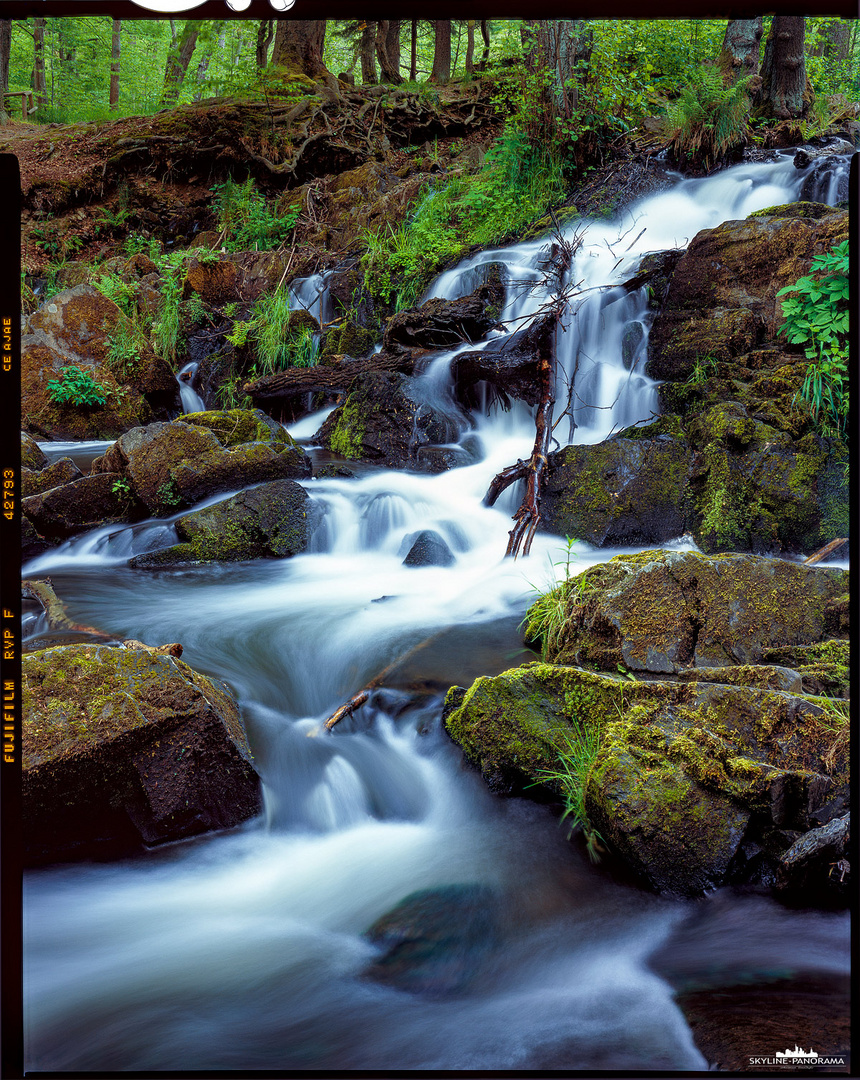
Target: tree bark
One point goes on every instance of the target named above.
(265, 33)
(116, 46)
(470, 46)
(367, 52)
(388, 50)
(40, 86)
(786, 93)
(485, 34)
(413, 52)
(741, 51)
(299, 48)
(177, 63)
(441, 72)
(834, 41)
(5, 50)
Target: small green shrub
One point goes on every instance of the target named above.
(709, 119)
(817, 318)
(122, 488)
(123, 354)
(120, 292)
(277, 346)
(78, 388)
(245, 217)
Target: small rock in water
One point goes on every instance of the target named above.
(429, 549)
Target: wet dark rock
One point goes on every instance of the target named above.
(621, 491)
(125, 749)
(434, 939)
(442, 324)
(80, 505)
(817, 859)
(32, 544)
(428, 549)
(273, 520)
(508, 363)
(384, 421)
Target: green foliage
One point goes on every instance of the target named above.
(229, 395)
(120, 292)
(122, 488)
(709, 119)
(138, 244)
(703, 369)
(514, 186)
(168, 494)
(576, 758)
(276, 344)
(78, 388)
(123, 354)
(196, 311)
(245, 217)
(817, 318)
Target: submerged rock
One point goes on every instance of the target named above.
(125, 749)
(429, 549)
(434, 939)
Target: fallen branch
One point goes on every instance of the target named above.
(828, 549)
(55, 610)
(329, 378)
(348, 709)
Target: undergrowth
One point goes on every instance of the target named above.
(576, 758)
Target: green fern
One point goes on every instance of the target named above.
(710, 118)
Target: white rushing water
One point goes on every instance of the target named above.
(246, 950)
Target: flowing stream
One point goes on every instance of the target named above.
(246, 949)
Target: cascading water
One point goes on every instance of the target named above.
(191, 401)
(245, 950)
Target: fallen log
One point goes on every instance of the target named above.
(828, 549)
(55, 609)
(329, 378)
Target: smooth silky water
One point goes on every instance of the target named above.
(246, 949)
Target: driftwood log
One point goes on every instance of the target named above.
(329, 378)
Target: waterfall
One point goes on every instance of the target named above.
(192, 402)
(247, 949)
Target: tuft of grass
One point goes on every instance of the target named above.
(576, 758)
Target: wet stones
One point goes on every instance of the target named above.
(428, 549)
(125, 749)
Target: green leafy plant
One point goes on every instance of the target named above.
(122, 489)
(710, 118)
(168, 494)
(278, 342)
(78, 388)
(229, 394)
(196, 311)
(817, 317)
(123, 353)
(120, 292)
(245, 218)
(703, 369)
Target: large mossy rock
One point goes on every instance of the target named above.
(385, 422)
(81, 504)
(37, 481)
(125, 748)
(171, 466)
(76, 328)
(273, 520)
(692, 784)
(722, 299)
(664, 611)
(622, 491)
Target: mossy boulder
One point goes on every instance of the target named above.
(236, 426)
(693, 785)
(384, 421)
(663, 611)
(273, 520)
(722, 297)
(62, 471)
(80, 505)
(125, 748)
(621, 491)
(32, 456)
(171, 466)
(241, 276)
(76, 328)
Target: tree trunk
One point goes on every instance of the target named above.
(413, 53)
(741, 51)
(265, 33)
(299, 48)
(39, 84)
(485, 34)
(786, 93)
(367, 52)
(177, 63)
(834, 41)
(441, 72)
(5, 49)
(470, 46)
(114, 63)
(388, 50)
(556, 48)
